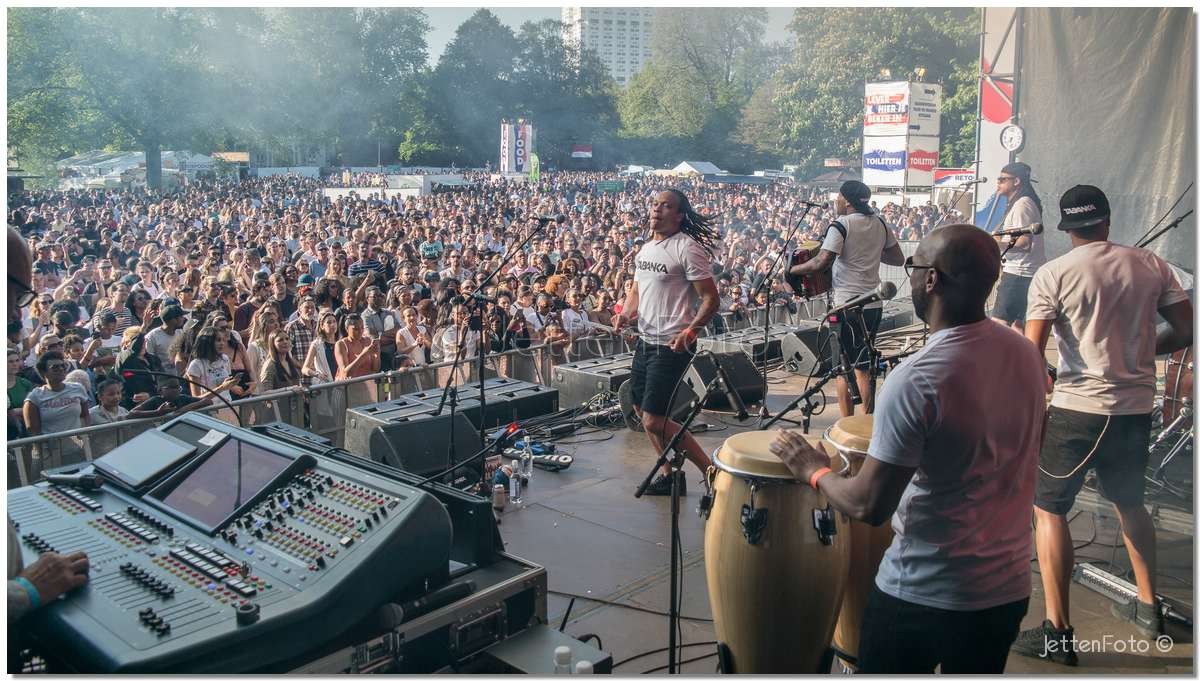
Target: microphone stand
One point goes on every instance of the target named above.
(672, 457)
(477, 325)
(770, 275)
(846, 368)
(1149, 239)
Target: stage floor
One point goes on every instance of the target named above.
(610, 551)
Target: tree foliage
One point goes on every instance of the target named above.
(819, 94)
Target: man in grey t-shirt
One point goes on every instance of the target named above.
(953, 466)
(674, 277)
(160, 339)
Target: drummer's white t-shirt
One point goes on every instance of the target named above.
(966, 411)
(666, 297)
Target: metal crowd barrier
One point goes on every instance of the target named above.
(320, 409)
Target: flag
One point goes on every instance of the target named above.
(535, 168)
(581, 151)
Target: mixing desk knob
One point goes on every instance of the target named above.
(247, 613)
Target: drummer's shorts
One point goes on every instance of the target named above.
(856, 331)
(1117, 447)
(657, 370)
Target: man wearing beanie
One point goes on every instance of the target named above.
(1025, 254)
(853, 247)
(1103, 301)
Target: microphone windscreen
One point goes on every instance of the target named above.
(887, 290)
(1035, 228)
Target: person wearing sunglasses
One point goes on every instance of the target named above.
(1025, 254)
(952, 464)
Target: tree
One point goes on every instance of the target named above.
(116, 75)
(472, 87)
(820, 93)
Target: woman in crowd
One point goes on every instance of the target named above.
(132, 364)
(138, 303)
(280, 370)
(209, 366)
(320, 365)
(55, 407)
(357, 356)
(451, 334)
(264, 323)
(413, 339)
(236, 352)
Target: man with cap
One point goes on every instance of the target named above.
(160, 339)
(1024, 254)
(853, 247)
(1102, 301)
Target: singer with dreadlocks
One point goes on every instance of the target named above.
(673, 295)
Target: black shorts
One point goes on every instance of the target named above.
(1012, 296)
(856, 330)
(656, 371)
(1119, 458)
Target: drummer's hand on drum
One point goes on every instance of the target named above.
(800, 457)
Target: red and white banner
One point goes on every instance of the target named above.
(922, 159)
(581, 151)
(886, 109)
(506, 146)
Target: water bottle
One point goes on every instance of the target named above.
(562, 660)
(514, 483)
(527, 460)
(583, 667)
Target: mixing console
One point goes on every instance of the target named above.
(234, 556)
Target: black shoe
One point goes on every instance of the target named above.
(661, 487)
(1048, 643)
(1147, 617)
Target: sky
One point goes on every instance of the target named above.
(445, 20)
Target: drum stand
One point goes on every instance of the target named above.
(1184, 440)
(673, 458)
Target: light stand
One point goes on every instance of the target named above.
(762, 410)
(670, 456)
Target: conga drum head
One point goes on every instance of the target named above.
(749, 454)
(851, 435)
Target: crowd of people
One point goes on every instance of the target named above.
(263, 284)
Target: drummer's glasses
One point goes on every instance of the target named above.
(909, 266)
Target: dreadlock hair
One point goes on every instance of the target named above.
(699, 227)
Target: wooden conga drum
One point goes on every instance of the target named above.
(851, 436)
(776, 569)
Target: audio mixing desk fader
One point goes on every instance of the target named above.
(215, 549)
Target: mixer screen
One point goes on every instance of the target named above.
(211, 493)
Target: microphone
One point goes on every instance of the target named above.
(977, 181)
(810, 204)
(886, 291)
(1035, 228)
(557, 217)
(735, 399)
(88, 481)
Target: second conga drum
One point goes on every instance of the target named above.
(852, 436)
(776, 569)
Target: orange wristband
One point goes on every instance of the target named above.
(818, 475)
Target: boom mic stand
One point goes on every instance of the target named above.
(770, 276)
(672, 457)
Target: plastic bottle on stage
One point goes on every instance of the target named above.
(514, 483)
(583, 667)
(527, 460)
(562, 660)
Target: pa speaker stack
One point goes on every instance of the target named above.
(403, 432)
(579, 382)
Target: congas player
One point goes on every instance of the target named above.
(775, 561)
(851, 436)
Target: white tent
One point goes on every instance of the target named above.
(697, 168)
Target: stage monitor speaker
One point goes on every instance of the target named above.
(802, 349)
(680, 405)
(744, 378)
(578, 382)
(422, 445)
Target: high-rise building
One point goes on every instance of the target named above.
(619, 35)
